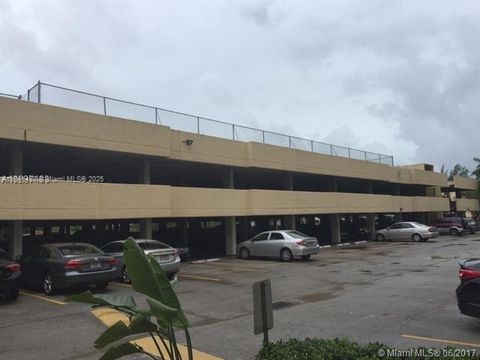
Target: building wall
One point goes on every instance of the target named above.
(467, 204)
(31, 122)
(117, 201)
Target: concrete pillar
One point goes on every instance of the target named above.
(184, 232)
(290, 223)
(230, 221)
(15, 161)
(229, 179)
(144, 172)
(231, 235)
(422, 218)
(371, 225)
(15, 167)
(16, 238)
(333, 185)
(146, 228)
(144, 178)
(288, 185)
(335, 228)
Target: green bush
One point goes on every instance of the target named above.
(344, 349)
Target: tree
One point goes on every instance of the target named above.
(476, 172)
(459, 170)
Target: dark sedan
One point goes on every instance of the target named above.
(65, 265)
(468, 292)
(9, 276)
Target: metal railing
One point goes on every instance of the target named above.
(80, 100)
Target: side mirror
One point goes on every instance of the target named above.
(388, 228)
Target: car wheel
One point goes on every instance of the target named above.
(416, 237)
(380, 237)
(12, 294)
(102, 285)
(305, 257)
(244, 253)
(453, 232)
(125, 277)
(48, 285)
(286, 255)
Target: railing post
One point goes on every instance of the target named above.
(28, 95)
(349, 155)
(379, 158)
(198, 125)
(104, 106)
(365, 153)
(331, 149)
(156, 116)
(263, 136)
(289, 141)
(311, 144)
(39, 91)
(233, 131)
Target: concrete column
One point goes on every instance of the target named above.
(144, 178)
(15, 167)
(15, 161)
(144, 172)
(288, 185)
(371, 225)
(230, 221)
(146, 228)
(16, 238)
(333, 185)
(184, 233)
(229, 179)
(231, 235)
(290, 223)
(335, 228)
(422, 218)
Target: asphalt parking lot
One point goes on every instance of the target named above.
(401, 294)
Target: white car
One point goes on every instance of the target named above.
(284, 244)
(407, 231)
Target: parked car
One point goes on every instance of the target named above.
(9, 276)
(407, 231)
(285, 244)
(468, 292)
(471, 225)
(167, 256)
(449, 225)
(64, 265)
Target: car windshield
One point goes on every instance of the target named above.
(418, 224)
(296, 234)
(153, 245)
(74, 250)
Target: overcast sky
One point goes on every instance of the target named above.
(396, 77)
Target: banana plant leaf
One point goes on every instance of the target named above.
(149, 279)
(138, 325)
(122, 350)
(100, 299)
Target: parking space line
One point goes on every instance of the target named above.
(442, 341)
(232, 268)
(27, 293)
(201, 278)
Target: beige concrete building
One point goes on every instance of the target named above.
(98, 178)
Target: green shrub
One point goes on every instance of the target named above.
(344, 349)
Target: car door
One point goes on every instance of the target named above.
(275, 243)
(259, 244)
(394, 231)
(406, 232)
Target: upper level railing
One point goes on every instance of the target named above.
(80, 100)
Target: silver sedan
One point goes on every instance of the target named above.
(285, 244)
(407, 231)
(167, 256)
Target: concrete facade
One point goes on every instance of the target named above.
(207, 186)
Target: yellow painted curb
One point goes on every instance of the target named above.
(111, 316)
